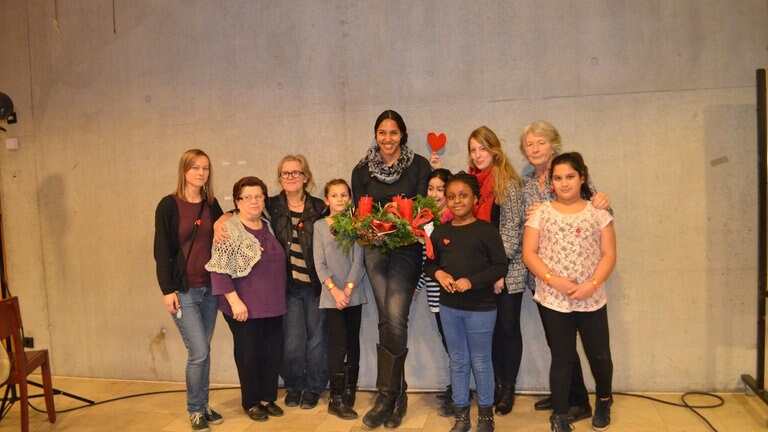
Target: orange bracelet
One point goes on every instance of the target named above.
(350, 285)
(547, 277)
(595, 283)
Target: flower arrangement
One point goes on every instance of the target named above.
(398, 223)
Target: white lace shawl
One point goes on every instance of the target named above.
(239, 254)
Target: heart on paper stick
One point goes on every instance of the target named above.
(435, 141)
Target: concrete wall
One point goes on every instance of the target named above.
(658, 96)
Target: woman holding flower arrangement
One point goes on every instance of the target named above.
(391, 168)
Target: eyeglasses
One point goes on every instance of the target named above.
(257, 198)
(291, 174)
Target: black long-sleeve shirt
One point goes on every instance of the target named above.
(474, 251)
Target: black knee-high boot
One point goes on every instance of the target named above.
(388, 382)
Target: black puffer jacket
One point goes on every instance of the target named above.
(280, 217)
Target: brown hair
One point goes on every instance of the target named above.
(309, 186)
(246, 182)
(503, 171)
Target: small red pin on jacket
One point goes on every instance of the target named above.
(198, 222)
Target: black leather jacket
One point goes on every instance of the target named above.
(280, 217)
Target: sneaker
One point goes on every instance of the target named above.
(292, 398)
(309, 400)
(602, 417)
(212, 417)
(579, 412)
(199, 423)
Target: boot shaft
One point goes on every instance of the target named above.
(462, 423)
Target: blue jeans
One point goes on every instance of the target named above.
(198, 318)
(305, 353)
(393, 277)
(470, 337)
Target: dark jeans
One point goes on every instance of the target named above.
(394, 276)
(578, 395)
(258, 352)
(305, 354)
(507, 337)
(344, 328)
(562, 328)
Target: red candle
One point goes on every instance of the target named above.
(405, 208)
(365, 206)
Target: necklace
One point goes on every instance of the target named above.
(301, 203)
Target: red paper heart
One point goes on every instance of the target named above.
(436, 142)
(446, 241)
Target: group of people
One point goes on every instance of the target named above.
(293, 299)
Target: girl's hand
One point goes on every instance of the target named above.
(220, 234)
(171, 302)
(600, 201)
(434, 161)
(416, 295)
(581, 291)
(239, 310)
(562, 284)
(341, 298)
(498, 286)
(445, 280)
(532, 209)
(462, 285)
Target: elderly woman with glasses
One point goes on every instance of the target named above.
(305, 353)
(248, 275)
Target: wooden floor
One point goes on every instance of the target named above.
(165, 412)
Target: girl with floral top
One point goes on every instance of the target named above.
(570, 247)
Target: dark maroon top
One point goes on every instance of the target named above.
(197, 275)
(263, 290)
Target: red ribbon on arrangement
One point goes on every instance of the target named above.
(422, 217)
(381, 227)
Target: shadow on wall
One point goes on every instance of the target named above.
(54, 226)
(730, 173)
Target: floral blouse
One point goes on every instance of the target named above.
(570, 246)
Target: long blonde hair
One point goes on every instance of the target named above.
(186, 161)
(503, 171)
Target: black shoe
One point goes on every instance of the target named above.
(389, 381)
(579, 412)
(273, 409)
(350, 386)
(543, 404)
(292, 398)
(602, 418)
(462, 423)
(258, 413)
(444, 396)
(309, 400)
(485, 421)
(506, 399)
(447, 409)
(336, 407)
(212, 417)
(559, 423)
(199, 423)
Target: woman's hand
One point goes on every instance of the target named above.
(498, 286)
(239, 310)
(581, 291)
(600, 201)
(342, 299)
(220, 234)
(171, 302)
(434, 161)
(462, 285)
(532, 209)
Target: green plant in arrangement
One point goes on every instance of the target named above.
(385, 227)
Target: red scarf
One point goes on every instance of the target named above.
(482, 210)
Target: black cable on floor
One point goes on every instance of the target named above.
(684, 404)
(124, 397)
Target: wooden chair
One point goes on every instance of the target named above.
(24, 362)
